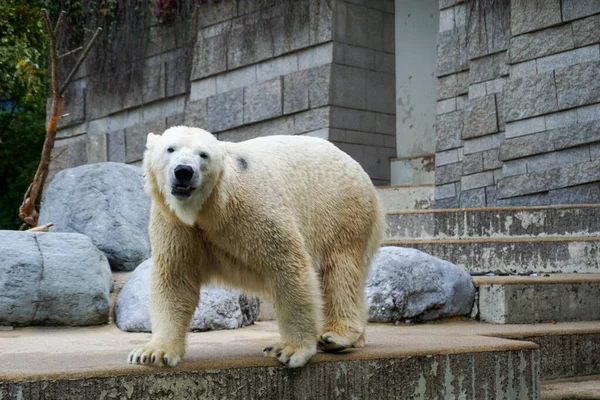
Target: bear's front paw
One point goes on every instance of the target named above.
(155, 354)
(290, 356)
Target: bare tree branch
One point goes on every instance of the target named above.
(28, 211)
(80, 61)
(68, 53)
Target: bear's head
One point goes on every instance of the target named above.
(182, 167)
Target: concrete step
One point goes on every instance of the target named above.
(406, 197)
(515, 255)
(494, 222)
(438, 360)
(545, 298)
(587, 387)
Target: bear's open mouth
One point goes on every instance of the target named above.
(182, 191)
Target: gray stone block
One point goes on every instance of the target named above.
(247, 44)
(384, 123)
(262, 101)
(276, 67)
(295, 92)
(576, 135)
(176, 120)
(447, 19)
(291, 30)
(573, 9)
(489, 31)
(215, 12)
(540, 199)
(389, 37)
(557, 159)
(96, 148)
(488, 67)
(560, 119)
(445, 191)
(278, 126)
(586, 31)
(532, 15)
(541, 43)
(321, 16)
(236, 79)
(366, 26)
(452, 85)
(495, 86)
(473, 198)
(490, 196)
(176, 69)
(135, 141)
(381, 92)
(479, 180)
(588, 113)
(115, 142)
(530, 96)
(472, 163)
(225, 110)
(523, 146)
(514, 167)
(211, 56)
(480, 117)
(319, 79)
(582, 194)
(452, 52)
(385, 62)
(196, 114)
(315, 56)
(203, 88)
(448, 173)
(557, 178)
(74, 105)
(483, 143)
(500, 111)
(311, 120)
(491, 159)
(525, 127)
(448, 131)
(348, 86)
(355, 56)
(446, 157)
(345, 118)
(523, 69)
(449, 203)
(578, 85)
(446, 106)
(568, 58)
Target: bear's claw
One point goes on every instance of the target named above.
(154, 355)
(290, 356)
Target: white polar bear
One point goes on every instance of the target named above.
(289, 216)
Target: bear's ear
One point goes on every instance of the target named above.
(150, 140)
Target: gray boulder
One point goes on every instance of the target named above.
(406, 283)
(219, 308)
(52, 279)
(106, 202)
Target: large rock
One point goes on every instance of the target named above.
(52, 279)
(106, 202)
(218, 308)
(409, 284)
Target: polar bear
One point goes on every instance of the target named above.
(288, 216)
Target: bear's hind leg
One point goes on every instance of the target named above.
(343, 278)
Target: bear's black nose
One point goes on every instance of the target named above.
(183, 173)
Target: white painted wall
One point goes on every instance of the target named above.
(417, 23)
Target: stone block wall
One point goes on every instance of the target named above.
(518, 104)
(257, 71)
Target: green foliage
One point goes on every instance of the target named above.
(23, 58)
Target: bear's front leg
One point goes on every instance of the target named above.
(298, 304)
(177, 252)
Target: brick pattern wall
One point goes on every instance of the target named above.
(279, 78)
(518, 105)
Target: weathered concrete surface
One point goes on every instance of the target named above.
(526, 300)
(587, 387)
(509, 255)
(418, 361)
(495, 222)
(406, 197)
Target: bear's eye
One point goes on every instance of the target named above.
(170, 150)
(203, 155)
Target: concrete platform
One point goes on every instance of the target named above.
(587, 387)
(526, 300)
(418, 361)
(406, 197)
(494, 222)
(518, 254)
